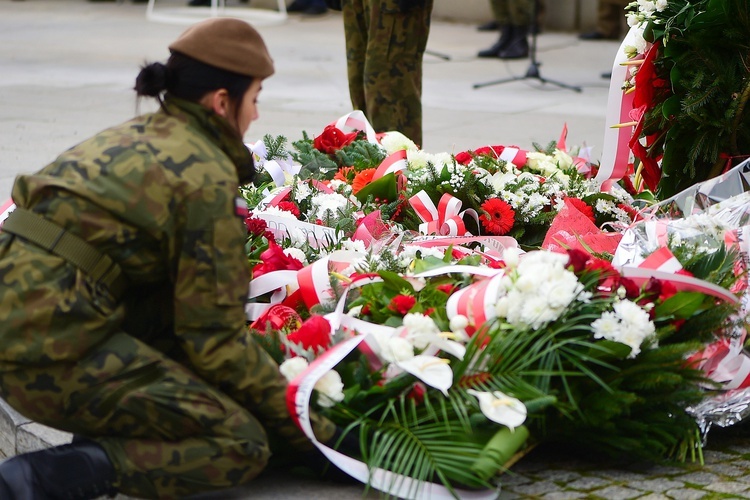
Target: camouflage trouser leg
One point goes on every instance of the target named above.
(384, 50)
(515, 12)
(168, 433)
(610, 17)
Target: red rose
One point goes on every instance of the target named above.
(577, 259)
(332, 139)
(274, 259)
(446, 288)
(315, 334)
(402, 304)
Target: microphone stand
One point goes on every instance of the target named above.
(532, 72)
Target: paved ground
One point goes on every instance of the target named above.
(66, 71)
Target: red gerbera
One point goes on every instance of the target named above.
(498, 218)
(362, 179)
(402, 304)
(584, 208)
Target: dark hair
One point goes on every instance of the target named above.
(189, 79)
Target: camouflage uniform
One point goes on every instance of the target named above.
(610, 17)
(166, 378)
(385, 43)
(513, 12)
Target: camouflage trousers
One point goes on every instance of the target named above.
(167, 432)
(514, 12)
(385, 44)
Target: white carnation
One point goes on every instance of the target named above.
(293, 367)
(330, 389)
(396, 141)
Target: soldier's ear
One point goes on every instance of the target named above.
(218, 102)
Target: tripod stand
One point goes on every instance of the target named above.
(532, 72)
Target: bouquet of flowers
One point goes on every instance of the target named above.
(449, 371)
(690, 78)
(338, 179)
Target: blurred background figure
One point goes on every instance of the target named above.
(514, 20)
(385, 44)
(308, 7)
(609, 21)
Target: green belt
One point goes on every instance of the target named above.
(53, 238)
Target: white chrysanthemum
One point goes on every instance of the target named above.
(418, 159)
(293, 367)
(296, 253)
(353, 245)
(396, 141)
(340, 187)
(627, 323)
(327, 205)
(330, 389)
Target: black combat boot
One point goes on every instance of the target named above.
(506, 35)
(518, 47)
(77, 471)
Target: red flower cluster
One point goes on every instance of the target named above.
(332, 139)
(584, 208)
(258, 228)
(498, 217)
(314, 334)
(402, 304)
(466, 157)
(289, 206)
(274, 259)
(277, 317)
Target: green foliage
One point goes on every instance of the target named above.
(704, 56)
(361, 155)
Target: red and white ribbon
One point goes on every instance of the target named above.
(5, 210)
(662, 260)
(299, 394)
(616, 151)
(395, 162)
(446, 219)
(356, 120)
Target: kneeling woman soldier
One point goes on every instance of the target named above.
(124, 280)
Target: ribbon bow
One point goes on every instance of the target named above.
(446, 219)
(277, 169)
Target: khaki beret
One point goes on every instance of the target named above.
(226, 43)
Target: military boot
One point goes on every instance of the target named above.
(506, 35)
(518, 47)
(77, 471)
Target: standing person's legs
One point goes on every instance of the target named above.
(356, 14)
(609, 20)
(502, 16)
(520, 14)
(165, 431)
(396, 43)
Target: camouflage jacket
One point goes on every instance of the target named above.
(158, 195)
